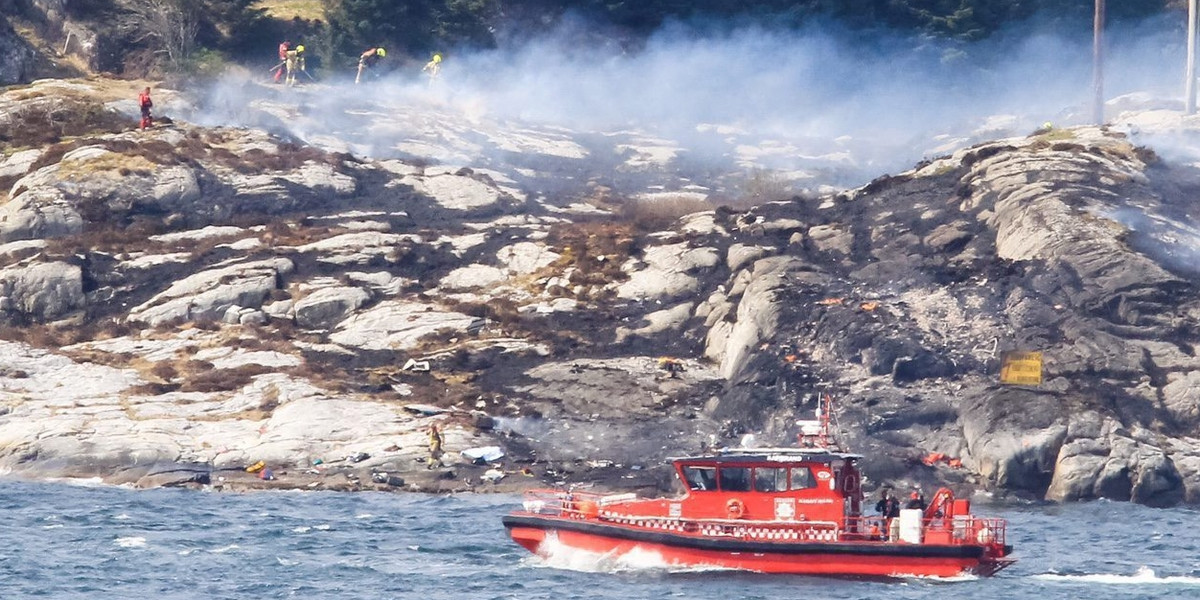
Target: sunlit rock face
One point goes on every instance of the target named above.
(192, 298)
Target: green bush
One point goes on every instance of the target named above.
(413, 27)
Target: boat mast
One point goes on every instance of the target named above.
(819, 433)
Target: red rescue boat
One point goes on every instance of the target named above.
(772, 510)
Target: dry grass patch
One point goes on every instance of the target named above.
(659, 212)
(501, 311)
(100, 236)
(54, 337)
(198, 378)
(42, 122)
(308, 10)
(1055, 135)
(279, 233)
(123, 165)
(761, 186)
(116, 360)
(595, 250)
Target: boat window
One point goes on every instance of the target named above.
(735, 479)
(802, 478)
(700, 478)
(770, 479)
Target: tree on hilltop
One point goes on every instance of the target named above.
(406, 26)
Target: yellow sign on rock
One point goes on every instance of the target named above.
(1021, 368)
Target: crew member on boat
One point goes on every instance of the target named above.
(916, 500)
(888, 507)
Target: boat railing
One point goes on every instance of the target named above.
(570, 504)
(956, 530)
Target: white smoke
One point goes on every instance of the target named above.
(821, 100)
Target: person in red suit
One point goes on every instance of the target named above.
(283, 54)
(146, 104)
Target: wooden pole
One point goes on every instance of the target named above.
(1098, 63)
(1189, 85)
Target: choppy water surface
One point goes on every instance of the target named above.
(72, 541)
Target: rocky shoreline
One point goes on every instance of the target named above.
(187, 301)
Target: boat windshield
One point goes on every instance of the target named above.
(700, 478)
(770, 479)
(745, 479)
(735, 479)
(802, 478)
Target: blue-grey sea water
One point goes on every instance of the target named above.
(60, 540)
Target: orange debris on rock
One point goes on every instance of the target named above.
(933, 458)
(831, 301)
(869, 306)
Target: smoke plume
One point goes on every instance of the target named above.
(823, 105)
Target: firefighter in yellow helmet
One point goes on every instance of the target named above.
(368, 60)
(433, 67)
(294, 62)
(436, 451)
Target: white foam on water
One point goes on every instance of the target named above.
(301, 529)
(224, 549)
(938, 579)
(322, 527)
(364, 516)
(57, 526)
(554, 554)
(122, 517)
(80, 481)
(285, 562)
(1143, 576)
(130, 542)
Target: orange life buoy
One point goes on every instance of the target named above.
(735, 508)
(589, 509)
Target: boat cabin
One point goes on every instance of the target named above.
(772, 484)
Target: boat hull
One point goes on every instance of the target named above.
(864, 559)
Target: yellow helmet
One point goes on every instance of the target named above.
(300, 48)
(381, 52)
(437, 58)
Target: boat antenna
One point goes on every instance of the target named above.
(820, 433)
(832, 426)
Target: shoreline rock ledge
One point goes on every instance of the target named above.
(180, 304)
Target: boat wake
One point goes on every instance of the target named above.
(937, 579)
(1143, 576)
(556, 555)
